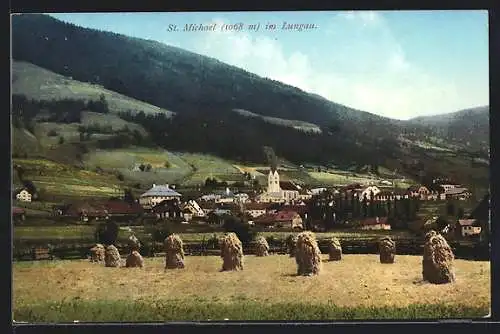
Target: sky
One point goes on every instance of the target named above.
(398, 64)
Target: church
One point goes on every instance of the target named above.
(279, 191)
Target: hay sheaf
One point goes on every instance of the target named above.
(231, 252)
(307, 254)
(134, 260)
(437, 263)
(112, 257)
(97, 253)
(134, 243)
(291, 242)
(334, 249)
(387, 250)
(261, 247)
(174, 252)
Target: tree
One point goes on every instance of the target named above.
(107, 233)
(61, 140)
(148, 167)
(128, 196)
(142, 167)
(243, 231)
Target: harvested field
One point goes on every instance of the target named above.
(358, 287)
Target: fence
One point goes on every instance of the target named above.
(468, 251)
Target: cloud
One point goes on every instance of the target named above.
(370, 71)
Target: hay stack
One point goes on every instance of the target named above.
(112, 257)
(291, 243)
(134, 243)
(97, 253)
(231, 252)
(334, 249)
(437, 263)
(174, 252)
(261, 247)
(307, 254)
(387, 250)
(134, 260)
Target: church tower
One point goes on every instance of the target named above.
(273, 181)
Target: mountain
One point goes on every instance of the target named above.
(198, 99)
(466, 129)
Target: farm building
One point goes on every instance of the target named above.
(468, 227)
(23, 195)
(18, 213)
(194, 208)
(120, 207)
(86, 211)
(419, 191)
(169, 208)
(375, 224)
(157, 194)
(457, 193)
(208, 206)
(368, 192)
(287, 219)
(256, 209)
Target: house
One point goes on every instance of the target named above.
(287, 219)
(468, 227)
(86, 211)
(168, 209)
(317, 191)
(368, 191)
(457, 193)
(419, 191)
(194, 208)
(305, 194)
(18, 214)
(208, 206)
(377, 223)
(449, 185)
(256, 209)
(120, 207)
(242, 197)
(158, 194)
(225, 197)
(187, 214)
(23, 195)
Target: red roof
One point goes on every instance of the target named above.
(373, 221)
(17, 211)
(122, 207)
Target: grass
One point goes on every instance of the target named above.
(205, 166)
(358, 287)
(63, 180)
(86, 232)
(40, 84)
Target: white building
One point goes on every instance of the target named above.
(158, 194)
(24, 196)
(368, 191)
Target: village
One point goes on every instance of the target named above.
(282, 205)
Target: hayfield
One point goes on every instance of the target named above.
(124, 161)
(40, 84)
(64, 180)
(358, 287)
(205, 166)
